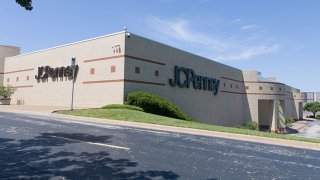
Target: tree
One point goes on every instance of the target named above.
(313, 107)
(27, 4)
(7, 92)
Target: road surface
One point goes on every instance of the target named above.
(39, 147)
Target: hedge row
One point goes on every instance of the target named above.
(155, 104)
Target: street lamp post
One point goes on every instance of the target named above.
(73, 66)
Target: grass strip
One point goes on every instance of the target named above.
(138, 116)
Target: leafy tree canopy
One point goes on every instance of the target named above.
(27, 4)
(313, 107)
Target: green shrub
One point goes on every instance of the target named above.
(289, 120)
(251, 125)
(121, 106)
(7, 92)
(155, 104)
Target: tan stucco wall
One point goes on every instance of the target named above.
(233, 105)
(273, 91)
(265, 110)
(89, 92)
(222, 109)
(6, 51)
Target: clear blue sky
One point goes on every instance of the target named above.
(277, 38)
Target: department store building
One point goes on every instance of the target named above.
(109, 67)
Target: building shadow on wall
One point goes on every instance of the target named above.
(35, 159)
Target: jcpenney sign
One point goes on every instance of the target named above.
(47, 71)
(183, 77)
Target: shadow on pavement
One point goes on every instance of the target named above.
(309, 120)
(34, 159)
(291, 131)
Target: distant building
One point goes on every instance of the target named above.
(311, 97)
(111, 66)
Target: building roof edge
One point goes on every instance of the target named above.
(68, 44)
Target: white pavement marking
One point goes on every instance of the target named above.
(108, 145)
(98, 144)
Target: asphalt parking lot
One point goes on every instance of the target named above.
(40, 147)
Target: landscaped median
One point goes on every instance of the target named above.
(143, 117)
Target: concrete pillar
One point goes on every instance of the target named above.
(314, 97)
(274, 123)
(281, 115)
(300, 110)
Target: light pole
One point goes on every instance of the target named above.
(73, 66)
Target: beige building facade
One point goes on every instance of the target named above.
(6, 51)
(111, 66)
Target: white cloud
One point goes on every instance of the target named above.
(251, 26)
(210, 44)
(254, 51)
(180, 29)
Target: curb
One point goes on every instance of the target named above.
(224, 135)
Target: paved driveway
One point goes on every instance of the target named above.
(310, 128)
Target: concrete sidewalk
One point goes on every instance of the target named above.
(42, 110)
(47, 111)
